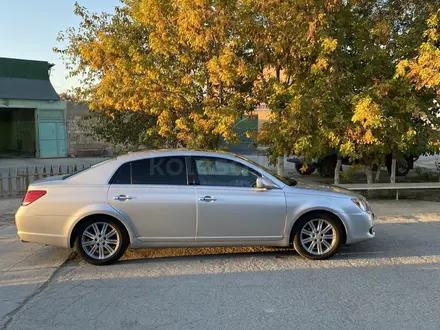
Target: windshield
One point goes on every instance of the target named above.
(283, 179)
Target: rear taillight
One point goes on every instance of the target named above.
(32, 195)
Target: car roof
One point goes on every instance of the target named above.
(102, 172)
(172, 152)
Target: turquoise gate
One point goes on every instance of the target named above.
(52, 133)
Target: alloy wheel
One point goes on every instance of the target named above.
(318, 236)
(402, 165)
(100, 240)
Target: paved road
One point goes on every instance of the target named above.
(390, 282)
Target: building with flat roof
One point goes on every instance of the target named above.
(32, 116)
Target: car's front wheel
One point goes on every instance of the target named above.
(101, 241)
(317, 236)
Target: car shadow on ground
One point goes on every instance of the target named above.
(204, 254)
(393, 240)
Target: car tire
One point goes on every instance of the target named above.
(309, 170)
(304, 234)
(327, 166)
(101, 240)
(402, 167)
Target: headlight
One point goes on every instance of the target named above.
(362, 204)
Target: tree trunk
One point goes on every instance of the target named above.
(369, 173)
(393, 168)
(280, 166)
(278, 74)
(338, 170)
(379, 169)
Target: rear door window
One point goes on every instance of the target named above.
(159, 171)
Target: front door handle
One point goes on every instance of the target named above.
(207, 199)
(122, 198)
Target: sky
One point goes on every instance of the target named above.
(29, 28)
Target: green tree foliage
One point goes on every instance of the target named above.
(424, 69)
(340, 90)
(133, 129)
(354, 76)
(181, 61)
(292, 42)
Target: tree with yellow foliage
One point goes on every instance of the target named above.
(341, 93)
(181, 61)
(424, 69)
(326, 69)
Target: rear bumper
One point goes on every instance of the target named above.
(40, 229)
(52, 240)
(359, 227)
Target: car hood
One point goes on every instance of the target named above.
(321, 189)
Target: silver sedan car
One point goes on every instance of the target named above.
(184, 198)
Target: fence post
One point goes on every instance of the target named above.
(9, 183)
(26, 179)
(44, 171)
(68, 169)
(17, 181)
(36, 175)
(75, 169)
(60, 171)
(51, 170)
(84, 166)
(1, 185)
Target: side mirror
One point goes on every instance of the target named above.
(264, 183)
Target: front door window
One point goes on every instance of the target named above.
(212, 171)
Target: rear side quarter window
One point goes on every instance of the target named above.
(122, 175)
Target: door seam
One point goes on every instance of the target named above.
(197, 214)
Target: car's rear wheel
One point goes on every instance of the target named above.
(317, 236)
(402, 167)
(101, 241)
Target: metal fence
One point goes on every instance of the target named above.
(16, 182)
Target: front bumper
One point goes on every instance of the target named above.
(359, 226)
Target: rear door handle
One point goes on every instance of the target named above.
(207, 199)
(122, 198)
